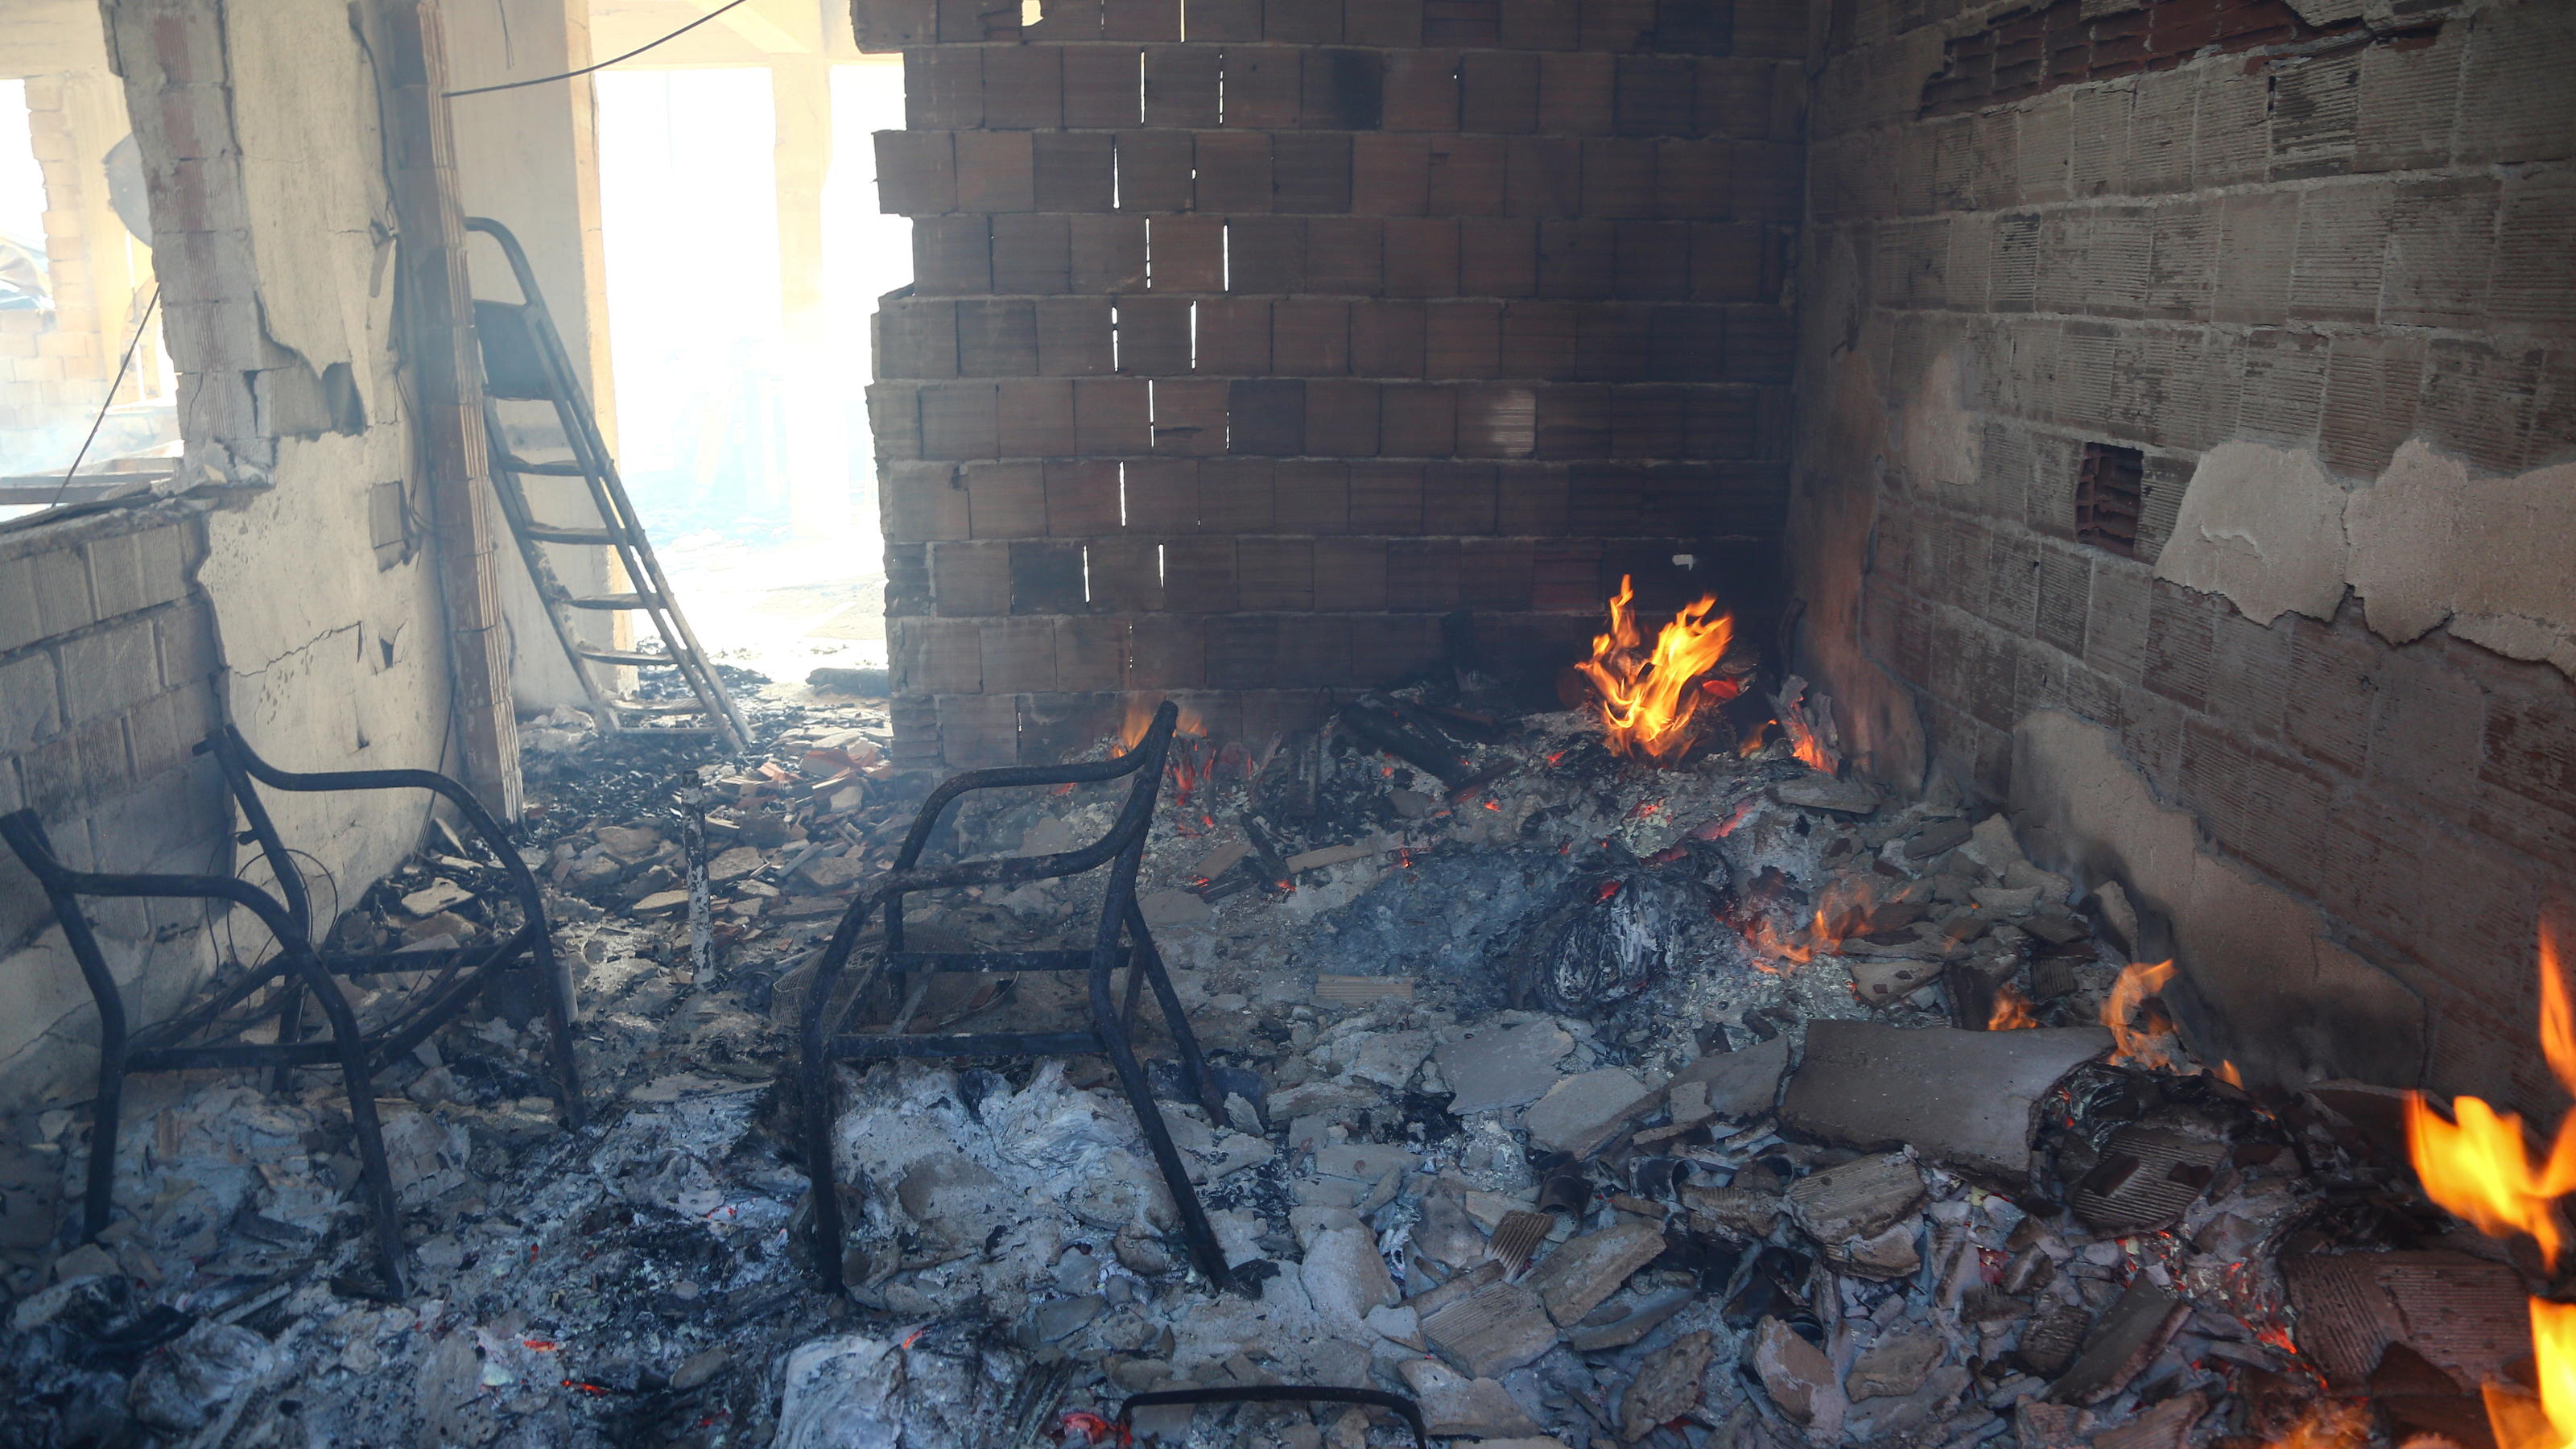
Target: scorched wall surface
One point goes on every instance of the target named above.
(2309, 264)
(1248, 342)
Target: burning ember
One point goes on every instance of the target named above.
(2479, 1166)
(1647, 698)
(2012, 1011)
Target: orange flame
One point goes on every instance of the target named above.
(2329, 1424)
(1841, 912)
(2479, 1165)
(2142, 1048)
(1140, 718)
(1646, 699)
(2012, 1011)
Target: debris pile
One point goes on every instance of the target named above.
(1587, 1103)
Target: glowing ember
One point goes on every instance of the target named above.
(2012, 1012)
(2479, 1165)
(1646, 697)
(2138, 1046)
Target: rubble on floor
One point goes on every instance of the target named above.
(1588, 1104)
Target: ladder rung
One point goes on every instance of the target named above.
(543, 470)
(635, 657)
(658, 706)
(611, 601)
(546, 534)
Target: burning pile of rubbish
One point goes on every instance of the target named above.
(1613, 1075)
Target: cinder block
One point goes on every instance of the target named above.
(923, 501)
(1263, 85)
(1034, 417)
(1310, 338)
(958, 420)
(1463, 339)
(1109, 416)
(1494, 573)
(1341, 418)
(1186, 254)
(1023, 88)
(1390, 174)
(1388, 339)
(1140, 20)
(1417, 420)
(1543, 177)
(1233, 337)
(970, 580)
(1266, 255)
(2478, 399)
(1126, 574)
(1081, 498)
(1005, 500)
(1276, 573)
(1233, 171)
(1421, 90)
(1199, 575)
(916, 172)
(1576, 258)
(1311, 173)
(1153, 336)
(2372, 384)
(1345, 256)
(1180, 85)
(1073, 171)
(1312, 497)
(1540, 24)
(1158, 496)
(1075, 336)
(1100, 89)
(1497, 420)
(1154, 170)
(1108, 253)
(1467, 176)
(1188, 416)
(1236, 496)
(996, 338)
(1460, 22)
(978, 731)
(1034, 254)
(1421, 257)
(951, 256)
(996, 171)
(1090, 653)
(2257, 238)
(31, 707)
(1350, 573)
(1267, 417)
(2533, 286)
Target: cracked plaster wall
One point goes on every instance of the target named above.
(314, 617)
(2323, 718)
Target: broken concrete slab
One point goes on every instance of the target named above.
(1966, 1099)
(1893, 1367)
(1666, 1385)
(1739, 1084)
(1824, 792)
(1856, 1200)
(1492, 1330)
(1492, 1068)
(1800, 1380)
(1581, 1113)
(1573, 1280)
(1454, 1405)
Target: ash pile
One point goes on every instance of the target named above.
(1586, 1099)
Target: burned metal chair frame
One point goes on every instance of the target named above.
(1120, 940)
(298, 968)
(1396, 1404)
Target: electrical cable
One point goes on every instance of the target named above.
(122, 364)
(603, 65)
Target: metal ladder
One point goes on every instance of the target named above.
(524, 360)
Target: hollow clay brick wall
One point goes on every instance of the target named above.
(1249, 341)
(2170, 226)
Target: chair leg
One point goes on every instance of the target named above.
(814, 1089)
(1158, 1137)
(559, 1009)
(376, 1173)
(290, 1030)
(100, 1197)
(1194, 1070)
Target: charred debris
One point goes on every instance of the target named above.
(1581, 1102)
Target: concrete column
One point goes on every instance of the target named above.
(800, 87)
(529, 159)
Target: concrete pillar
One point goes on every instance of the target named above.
(800, 88)
(529, 159)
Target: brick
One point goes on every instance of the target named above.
(1153, 336)
(943, 89)
(30, 702)
(1421, 257)
(1466, 176)
(1185, 253)
(1577, 93)
(1652, 96)
(958, 420)
(1100, 89)
(1081, 499)
(1034, 417)
(1343, 90)
(1461, 22)
(1266, 254)
(973, 20)
(2479, 400)
(1497, 421)
(1417, 420)
(1109, 415)
(1046, 578)
(995, 171)
(2409, 97)
(1227, 20)
(1199, 575)
(1342, 418)
(1140, 20)
(1188, 417)
(1181, 86)
(1276, 573)
(1310, 338)
(1126, 574)
(979, 731)
(1033, 254)
(1075, 336)
(2372, 383)
(2343, 238)
(1312, 497)
(2533, 285)
(1653, 259)
(1462, 340)
(1350, 573)
(2440, 254)
(1267, 417)
(1576, 258)
(970, 579)
(1090, 653)
(1023, 88)
(1311, 173)
(1073, 171)
(1233, 172)
(1538, 340)
(1233, 337)
(1735, 263)
(1235, 495)
(1619, 178)
(2257, 240)
(1421, 91)
(2517, 106)
(1389, 339)
(916, 172)
(951, 256)
(1166, 652)
(1263, 86)
(1732, 98)
(1390, 174)
(1154, 170)
(1006, 500)
(1614, 343)
(996, 338)
(1687, 344)
(924, 501)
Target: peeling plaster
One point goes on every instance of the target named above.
(1944, 442)
(2424, 545)
(2274, 995)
